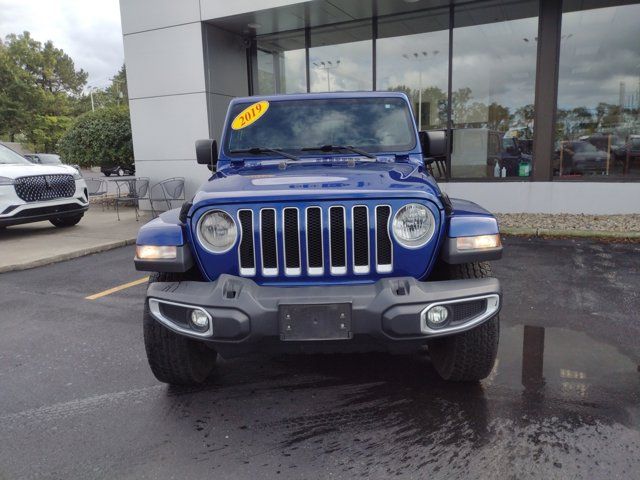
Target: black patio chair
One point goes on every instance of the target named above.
(131, 190)
(97, 188)
(167, 191)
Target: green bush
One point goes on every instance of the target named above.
(99, 138)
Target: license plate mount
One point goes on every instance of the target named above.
(309, 322)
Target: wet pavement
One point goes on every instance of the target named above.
(77, 399)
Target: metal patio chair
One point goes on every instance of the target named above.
(131, 190)
(167, 191)
(97, 188)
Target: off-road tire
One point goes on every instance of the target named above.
(467, 356)
(173, 358)
(64, 222)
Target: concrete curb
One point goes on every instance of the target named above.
(68, 256)
(546, 232)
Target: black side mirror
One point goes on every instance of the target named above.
(433, 143)
(207, 153)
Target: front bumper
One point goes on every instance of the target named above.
(384, 316)
(39, 212)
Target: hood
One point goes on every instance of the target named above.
(15, 171)
(318, 180)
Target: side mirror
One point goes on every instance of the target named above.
(433, 143)
(207, 153)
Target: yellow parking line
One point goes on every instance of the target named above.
(95, 296)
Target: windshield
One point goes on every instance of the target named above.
(370, 124)
(49, 159)
(9, 157)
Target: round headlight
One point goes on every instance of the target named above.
(413, 225)
(217, 231)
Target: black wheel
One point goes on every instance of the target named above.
(173, 358)
(63, 222)
(107, 174)
(467, 356)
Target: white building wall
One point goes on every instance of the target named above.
(141, 15)
(167, 93)
(550, 197)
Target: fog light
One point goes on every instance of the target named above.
(437, 316)
(199, 319)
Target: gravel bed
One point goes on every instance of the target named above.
(613, 223)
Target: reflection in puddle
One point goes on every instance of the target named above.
(557, 403)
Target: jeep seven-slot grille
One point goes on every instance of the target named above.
(38, 188)
(247, 257)
(305, 235)
(268, 240)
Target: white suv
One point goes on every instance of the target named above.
(33, 193)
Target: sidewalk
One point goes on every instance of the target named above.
(625, 227)
(36, 244)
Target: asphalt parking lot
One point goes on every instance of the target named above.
(77, 399)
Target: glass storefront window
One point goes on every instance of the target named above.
(493, 89)
(281, 64)
(412, 56)
(340, 58)
(598, 110)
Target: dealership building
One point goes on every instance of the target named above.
(542, 96)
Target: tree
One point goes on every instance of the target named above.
(499, 117)
(100, 137)
(39, 87)
(51, 68)
(19, 97)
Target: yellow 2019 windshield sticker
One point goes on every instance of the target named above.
(250, 115)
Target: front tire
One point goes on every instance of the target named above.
(65, 222)
(173, 358)
(467, 356)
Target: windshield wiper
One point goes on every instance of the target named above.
(333, 148)
(259, 150)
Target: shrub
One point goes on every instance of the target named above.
(98, 138)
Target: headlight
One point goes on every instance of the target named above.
(6, 181)
(217, 231)
(413, 225)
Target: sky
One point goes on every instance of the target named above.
(88, 31)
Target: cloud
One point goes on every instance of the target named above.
(88, 31)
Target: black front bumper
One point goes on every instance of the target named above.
(39, 214)
(384, 316)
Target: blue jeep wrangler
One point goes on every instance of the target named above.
(321, 231)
